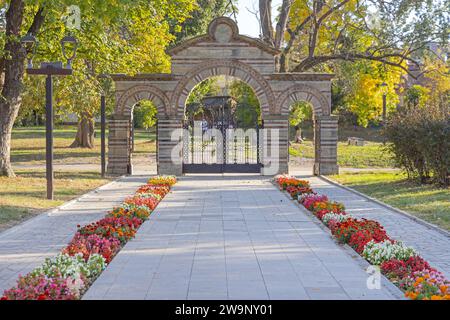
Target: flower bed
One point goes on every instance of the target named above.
(400, 264)
(68, 275)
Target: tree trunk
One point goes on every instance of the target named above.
(13, 64)
(298, 135)
(283, 63)
(5, 146)
(85, 134)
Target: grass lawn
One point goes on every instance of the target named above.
(372, 154)
(25, 195)
(424, 201)
(28, 146)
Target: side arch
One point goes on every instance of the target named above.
(128, 99)
(303, 92)
(232, 68)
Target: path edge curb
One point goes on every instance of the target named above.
(387, 206)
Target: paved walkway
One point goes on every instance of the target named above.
(232, 237)
(431, 244)
(25, 246)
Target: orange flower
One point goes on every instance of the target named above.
(443, 288)
(435, 297)
(411, 295)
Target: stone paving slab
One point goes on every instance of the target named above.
(25, 246)
(432, 245)
(232, 237)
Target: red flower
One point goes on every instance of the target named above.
(397, 269)
(359, 232)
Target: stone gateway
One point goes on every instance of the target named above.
(222, 51)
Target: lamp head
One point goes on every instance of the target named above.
(30, 44)
(69, 47)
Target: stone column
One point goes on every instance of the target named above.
(118, 146)
(274, 153)
(170, 146)
(325, 143)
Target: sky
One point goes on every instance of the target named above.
(247, 22)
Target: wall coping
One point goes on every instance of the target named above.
(301, 76)
(144, 76)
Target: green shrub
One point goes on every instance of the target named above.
(420, 137)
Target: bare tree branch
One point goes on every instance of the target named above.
(265, 13)
(282, 22)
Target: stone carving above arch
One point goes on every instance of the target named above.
(303, 92)
(133, 95)
(233, 68)
(223, 29)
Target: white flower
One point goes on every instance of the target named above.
(72, 266)
(333, 216)
(377, 253)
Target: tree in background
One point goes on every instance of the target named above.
(248, 112)
(300, 111)
(200, 18)
(120, 36)
(362, 93)
(365, 43)
(311, 34)
(145, 114)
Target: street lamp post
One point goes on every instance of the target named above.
(49, 69)
(103, 124)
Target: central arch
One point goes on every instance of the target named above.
(233, 68)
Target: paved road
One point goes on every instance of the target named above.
(232, 237)
(25, 246)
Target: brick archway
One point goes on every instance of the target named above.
(128, 99)
(233, 68)
(223, 51)
(303, 92)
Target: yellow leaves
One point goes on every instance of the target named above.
(365, 93)
(437, 72)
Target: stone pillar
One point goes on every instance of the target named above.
(118, 147)
(325, 143)
(274, 142)
(170, 147)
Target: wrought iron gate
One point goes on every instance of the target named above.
(214, 142)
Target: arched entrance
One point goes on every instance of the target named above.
(222, 127)
(223, 51)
